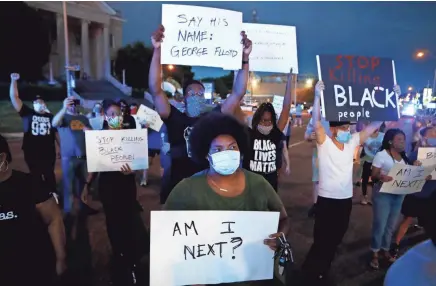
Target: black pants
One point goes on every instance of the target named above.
(331, 223)
(366, 173)
(42, 168)
(126, 230)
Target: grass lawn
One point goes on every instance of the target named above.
(10, 121)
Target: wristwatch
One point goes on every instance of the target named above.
(244, 62)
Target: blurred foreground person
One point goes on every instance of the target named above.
(32, 250)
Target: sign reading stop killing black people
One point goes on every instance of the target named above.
(358, 88)
(210, 247)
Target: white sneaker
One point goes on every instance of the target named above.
(143, 183)
(364, 200)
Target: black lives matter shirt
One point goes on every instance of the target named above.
(265, 154)
(24, 241)
(39, 135)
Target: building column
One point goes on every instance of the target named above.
(99, 63)
(106, 51)
(60, 40)
(86, 65)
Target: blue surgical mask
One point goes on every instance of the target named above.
(115, 122)
(195, 105)
(431, 142)
(343, 136)
(265, 130)
(225, 162)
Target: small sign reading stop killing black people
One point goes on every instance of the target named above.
(358, 88)
(210, 247)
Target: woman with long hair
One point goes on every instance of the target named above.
(117, 191)
(220, 142)
(267, 139)
(386, 206)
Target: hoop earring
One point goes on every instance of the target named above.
(7, 166)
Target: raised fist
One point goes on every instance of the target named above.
(157, 37)
(15, 76)
(247, 44)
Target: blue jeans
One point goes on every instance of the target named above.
(386, 210)
(74, 173)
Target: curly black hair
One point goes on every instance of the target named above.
(4, 148)
(212, 125)
(264, 107)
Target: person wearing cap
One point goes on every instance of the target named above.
(39, 136)
(179, 123)
(32, 240)
(333, 207)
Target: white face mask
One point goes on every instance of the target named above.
(225, 162)
(265, 130)
(38, 107)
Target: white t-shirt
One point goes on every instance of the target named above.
(385, 162)
(336, 168)
(416, 267)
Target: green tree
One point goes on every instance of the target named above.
(135, 59)
(25, 46)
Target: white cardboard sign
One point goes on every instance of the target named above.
(210, 247)
(407, 179)
(428, 158)
(274, 48)
(150, 117)
(201, 36)
(278, 104)
(108, 150)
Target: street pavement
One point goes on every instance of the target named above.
(350, 266)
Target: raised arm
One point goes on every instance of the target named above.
(284, 116)
(233, 102)
(13, 92)
(160, 99)
(57, 119)
(372, 127)
(316, 114)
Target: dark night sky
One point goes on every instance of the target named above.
(385, 29)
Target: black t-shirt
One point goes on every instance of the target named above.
(110, 182)
(24, 238)
(39, 134)
(265, 153)
(179, 127)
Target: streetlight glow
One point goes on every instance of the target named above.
(309, 82)
(170, 67)
(420, 54)
(410, 88)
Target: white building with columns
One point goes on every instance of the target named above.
(94, 35)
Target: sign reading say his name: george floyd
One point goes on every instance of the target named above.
(358, 88)
(201, 36)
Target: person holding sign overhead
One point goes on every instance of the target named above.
(180, 124)
(333, 207)
(220, 141)
(386, 206)
(117, 191)
(267, 140)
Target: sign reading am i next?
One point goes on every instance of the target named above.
(201, 36)
(358, 88)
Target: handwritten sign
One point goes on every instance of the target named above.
(108, 150)
(407, 179)
(200, 36)
(97, 122)
(210, 247)
(427, 156)
(150, 117)
(358, 88)
(278, 104)
(274, 48)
